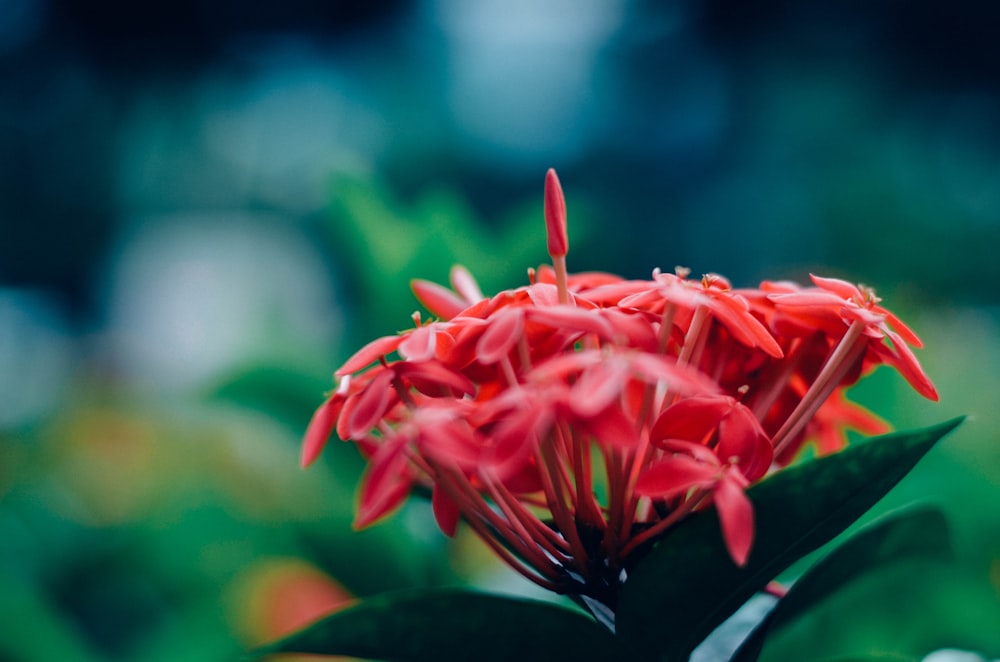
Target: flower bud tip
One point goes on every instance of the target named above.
(555, 215)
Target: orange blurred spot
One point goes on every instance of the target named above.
(275, 597)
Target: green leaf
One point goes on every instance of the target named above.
(688, 585)
(448, 624)
(34, 630)
(911, 534)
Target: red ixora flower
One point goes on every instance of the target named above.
(574, 419)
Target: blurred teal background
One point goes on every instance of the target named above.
(206, 206)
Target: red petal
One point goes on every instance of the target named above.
(419, 344)
(503, 330)
(320, 428)
(742, 437)
(631, 329)
(613, 427)
(438, 299)
(372, 403)
(559, 367)
(643, 299)
(699, 452)
(615, 293)
(434, 379)
(812, 298)
(905, 332)
(865, 315)
(386, 484)
(446, 511)
(735, 517)
(543, 294)
(598, 387)
(733, 313)
(655, 368)
(674, 476)
(452, 442)
(571, 318)
(904, 360)
(854, 416)
(691, 419)
(514, 439)
(444, 345)
(465, 284)
(839, 287)
(526, 480)
(370, 353)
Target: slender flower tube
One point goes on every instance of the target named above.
(555, 223)
(572, 421)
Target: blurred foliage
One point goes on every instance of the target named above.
(401, 138)
(383, 244)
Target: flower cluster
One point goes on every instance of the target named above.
(572, 421)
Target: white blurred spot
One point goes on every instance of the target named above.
(521, 72)
(194, 296)
(271, 136)
(953, 655)
(285, 130)
(35, 357)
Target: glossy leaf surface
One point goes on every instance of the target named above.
(688, 585)
(453, 625)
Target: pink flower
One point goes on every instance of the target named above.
(575, 418)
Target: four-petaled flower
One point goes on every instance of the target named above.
(575, 419)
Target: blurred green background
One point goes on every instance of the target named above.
(206, 206)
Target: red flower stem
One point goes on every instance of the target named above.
(777, 383)
(850, 348)
(518, 526)
(619, 520)
(508, 372)
(630, 472)
(534, 501)
(524, 353)
(693, 339)
(587, 507)
(559, 263)
(693, 335)
(635, 462)
(478, 513)
(423, 465)
(529, 526)
(675, 516)
(551, 486)
(700, 341)
(563, 480)
(666, 326)
(488, 536)
(632, 503)
(663, 339)
(716, 364)
(404, 393)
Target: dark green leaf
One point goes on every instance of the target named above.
(453, 625)
(915, 533)
(34, 630)
(688, 584)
